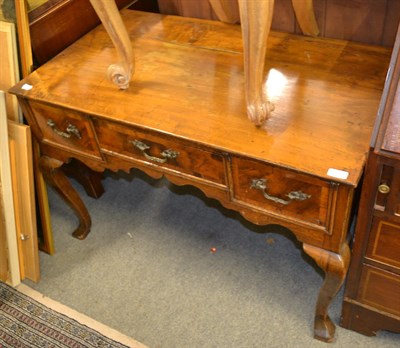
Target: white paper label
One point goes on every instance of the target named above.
(27, 87)
(337, 173)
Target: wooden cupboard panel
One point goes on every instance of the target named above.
(196, 8)
(384, 244)
(9, 74)
(380, 289)
(367, 21)
(187, 8)
(10, 263)
(356, 20)
(284, 18)
(391, 22)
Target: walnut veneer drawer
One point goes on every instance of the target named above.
(160, 150)
(384, 242)
(380, 289)
(283, 192)
(66, 129)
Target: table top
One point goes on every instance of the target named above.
(189, 83)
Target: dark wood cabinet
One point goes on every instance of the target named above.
(372, 294)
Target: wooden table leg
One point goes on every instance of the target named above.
(51, 169)
(89, 179)
(119, 73)
(256, 19)
(335, 267)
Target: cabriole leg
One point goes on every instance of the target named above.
(119, 73)
(335, 267)
(256, 19)
(51, 169)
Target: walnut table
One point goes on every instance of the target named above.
(184, 117)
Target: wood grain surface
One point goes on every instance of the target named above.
(326, 92)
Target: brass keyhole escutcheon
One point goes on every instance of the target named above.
(383, 188)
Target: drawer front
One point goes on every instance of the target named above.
(380, 289)
(66, 129)
(160, 150)
(283, 192)
(388, 193)
(384, 242)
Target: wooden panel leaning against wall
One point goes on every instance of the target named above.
(368, 21)
(9, 263)
(19, 257)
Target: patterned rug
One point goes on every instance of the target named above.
(25, 322)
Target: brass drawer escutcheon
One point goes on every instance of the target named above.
(71, 130)
(166, 154)
(261, 184)
(384, 189)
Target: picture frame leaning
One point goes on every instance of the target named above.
(9, 71)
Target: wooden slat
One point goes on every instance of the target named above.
(361, 20)
(171, 7)
(9, 74)
(283, 18)
(391, 22)
(25, 48)
(13, 271)
(366, 21)
(24, 40)
(196, 8)
(3, 241)
(20, 144)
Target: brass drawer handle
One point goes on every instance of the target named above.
(71, 130)
(384, 189)
(166, 154)
(261, 184)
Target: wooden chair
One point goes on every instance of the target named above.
(255, 17)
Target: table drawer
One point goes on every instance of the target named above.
(161, 150)
(384, 242)
(66, 129)
(283, 192)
